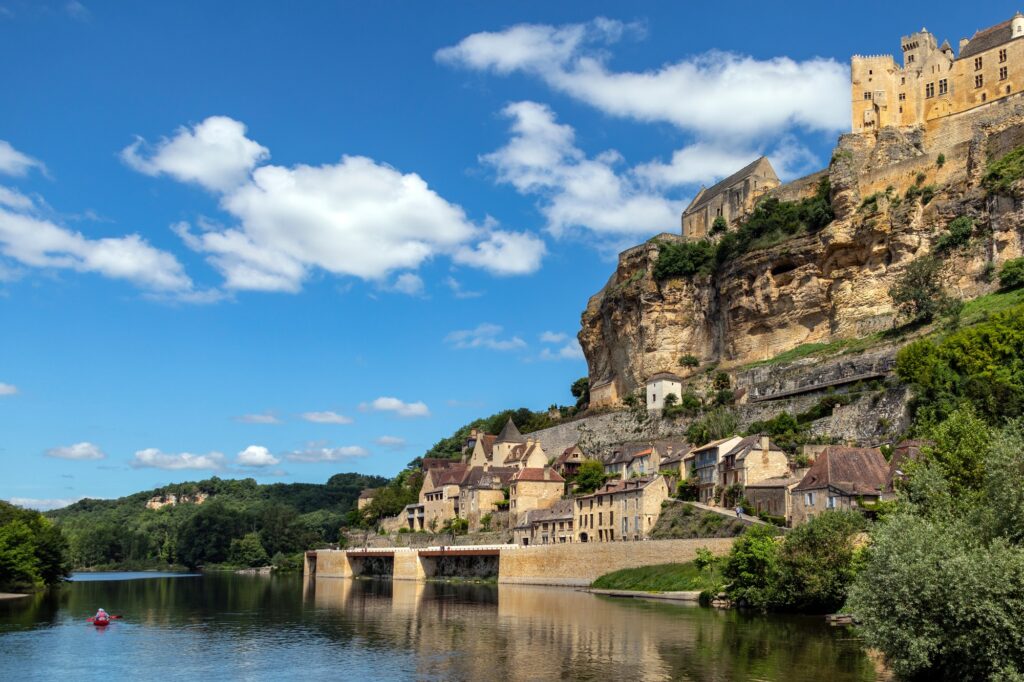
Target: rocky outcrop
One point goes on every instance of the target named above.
(171, 500)
(814, 288)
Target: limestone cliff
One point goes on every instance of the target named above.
(819, 287)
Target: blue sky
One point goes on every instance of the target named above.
(243, 240)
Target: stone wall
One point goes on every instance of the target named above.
(580, 564)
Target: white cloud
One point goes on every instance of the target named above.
(408, 283)
(154, 458)
(327, 454)
(256, 456)
(576, 191)
(12, 198)
(569, 351)
(13, 162)
(77, 10)
(485, 335)
(553, 337)
(399, 407)
(326, 418)
(459, 291)
(706, 163)
(504, 253)
(261, 418)
(214, 153)
(8, 389)
(393, 442)
(79, 451)
(713, 94)
(357, 217)
(42, 504)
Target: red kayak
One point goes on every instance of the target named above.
(101, 622)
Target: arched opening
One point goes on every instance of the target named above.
(583, 537)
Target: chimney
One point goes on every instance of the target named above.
(547, 474)
(963, 44)
(765, 446)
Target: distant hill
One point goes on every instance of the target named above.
(196, 523)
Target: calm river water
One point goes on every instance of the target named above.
(233, 627)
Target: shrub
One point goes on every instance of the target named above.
(719, 225)
(724, 396)
(1011, 276)
(721, 380)
(940, 161)
(751, 565)
(718, 423)
(689, 360)
(590, 476)
(704, 558)
(784, 430)
(684, 259)
(823, 408)
(958, 233)
(1002, 173)
(918, 293)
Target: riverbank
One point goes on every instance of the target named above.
(680, 596)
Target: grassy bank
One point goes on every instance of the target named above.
(663, 578)
(682, 521)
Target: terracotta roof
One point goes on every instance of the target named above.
(988, 38)
(510, 433)
(722, 185)
(449, 476)
(487, 442)
(521, 452)
(568, 454)
(852, 471)
(538, 475)
(429, 463)
(665, 375)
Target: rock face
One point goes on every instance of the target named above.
(171, 500)
(814, 288)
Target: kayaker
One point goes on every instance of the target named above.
(101, 617)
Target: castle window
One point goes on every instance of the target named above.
(1002, 56)
(977, 63)
(901, 110)
(903, 81)
(910, 59)
(867, 95)
(979, 81)
(1003, 73)
(943, 86)
(929, 90)
(903, 96)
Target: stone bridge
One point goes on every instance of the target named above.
(575, 564)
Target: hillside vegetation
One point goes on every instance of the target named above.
(33, 551)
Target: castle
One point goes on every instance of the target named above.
(932, 83)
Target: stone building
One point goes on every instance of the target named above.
(508, 449)
(932, 83)
(366, 497)
(705, 462)
(534, 488)
(772, 496)
(546, 526)
(620, 510)
(730, 199)
(482, 492)
(568, 463)
(841, 478)
(659, 386)
(752, 460)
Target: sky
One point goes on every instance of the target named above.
(290, 240)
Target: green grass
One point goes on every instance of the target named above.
(680, 520)
(662, 578)
(980, 308)
(837, 347)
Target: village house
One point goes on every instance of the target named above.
(661, 385)
(772, 496)
(730, 199)
(705, 466)
(753, 459)
(673, 459)
(534, 488)
(620, 510)
(568, 463)
(841, 478)
(508, 448)
(483, 491)
(633, 459)
(546, 526)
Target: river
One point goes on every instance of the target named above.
(236, 627)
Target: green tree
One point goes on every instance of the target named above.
(248, 551)
(1011, 276)
(33, 552)
(918, 293)
(689, 360)
(206, 537)
(751, 565)
(590, 476)
(581, 391)
(957, 234)
(718, 423)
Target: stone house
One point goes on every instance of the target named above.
(620, 510)
(546, 526)
(705, 465)
(568, 463)
(772, 496)
(841, 478)
(482, 492)
(508, 448)
(632, 459)
(534, 488)
(753, 459)
(659, 386)
(366, 497)
(729, 199)
(932, 83)
(673, 456)
(528, 455)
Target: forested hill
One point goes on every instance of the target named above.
(235, 517)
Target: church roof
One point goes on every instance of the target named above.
(510, 433)
(987, 39)
(710, 193)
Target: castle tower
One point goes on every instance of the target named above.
(917, 48)
(1017, 25)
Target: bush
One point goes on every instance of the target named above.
(958, 233)
(940, 161)
(719, 225)
(689, 361)
(918, 293)
(718, 423)
(721, 380)
(1002, 173)
(784, 430)
(688, 490)
(248, 551)
(1011, 276)
(750, 567)
(684, 259)
(590, 476)
(724, 396)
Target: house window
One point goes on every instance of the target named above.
(929, 90)
(977, 63)
(611, 518)
(979, 81)
(867, 95)
(902, 97)
(1003, 73)
(943, 86)
(808, 499)
(832, 499)
(625, 526)
(1002, 56)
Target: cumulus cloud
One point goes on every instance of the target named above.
(714, 94)
(392, 442)
(408, 283)
(8, 389)
(399, 407)
(155, 459)
(326, 418)
(707, 163)
(78, 451)
(576, 191)
(261, 418)
(214, 153)
(327, 454)
(357, 217)
(13, 162)
(256, 456)
(44, 504)
(485, 335)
